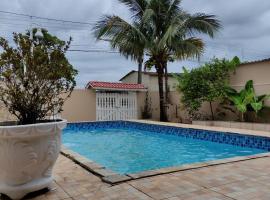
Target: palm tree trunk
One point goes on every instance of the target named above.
(163, 114)
(140, 63)
(166, 84)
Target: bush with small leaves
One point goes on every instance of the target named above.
(36, 76)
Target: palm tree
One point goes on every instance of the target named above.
(162, 30)
(121, 34)
(136, 54)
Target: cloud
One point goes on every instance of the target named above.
(245, 31)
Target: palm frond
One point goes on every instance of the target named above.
(108, 26)
(202, 23)
(148, 16)
(170, 35)
(187, 48)
(125, 37)
(174, 7)
(129, 44)
(136, 7)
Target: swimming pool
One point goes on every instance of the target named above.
(131, 147)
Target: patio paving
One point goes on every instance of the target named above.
(238, 181)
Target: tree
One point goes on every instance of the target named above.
(140, 65)
(163, 30)
(246, 98)
(207, 83)
(37, 76)
(122, 35)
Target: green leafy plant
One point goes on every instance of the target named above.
(163, 30)
(258, 103)
(207, 83)
(37, 76)
(246, 98)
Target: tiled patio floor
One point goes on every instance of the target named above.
(244, 180)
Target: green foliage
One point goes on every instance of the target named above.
(246, 98)
(243, 98)
(207, 83)
(37, 77)
(162, 30)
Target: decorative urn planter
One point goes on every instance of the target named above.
(27, 156)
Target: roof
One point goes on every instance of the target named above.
(100, 85)
(256, 61)
(146, 73)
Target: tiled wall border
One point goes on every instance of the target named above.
(244, 138)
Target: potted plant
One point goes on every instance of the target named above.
(36, 78)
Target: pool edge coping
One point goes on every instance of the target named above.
(104, 173)
(113, 178)
(207, 128)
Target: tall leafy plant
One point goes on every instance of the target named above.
(246, 98)
(258, 103)
(37, 76)
(207, 83)
(163, 30)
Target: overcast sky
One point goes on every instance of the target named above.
(245, 33)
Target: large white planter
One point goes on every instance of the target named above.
(27, 156)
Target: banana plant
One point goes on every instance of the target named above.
(246, 97)
(258, 102)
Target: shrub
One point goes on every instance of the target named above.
(246, 99)
(36, 75)
(207, 83)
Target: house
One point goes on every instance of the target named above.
(103, 101)
(149, 80)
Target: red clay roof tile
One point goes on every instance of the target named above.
(114, 85)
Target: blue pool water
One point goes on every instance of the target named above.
(131, 150)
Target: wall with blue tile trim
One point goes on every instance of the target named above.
(214, 136)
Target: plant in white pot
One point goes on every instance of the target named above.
(36, 78)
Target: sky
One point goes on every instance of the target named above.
(245, 32)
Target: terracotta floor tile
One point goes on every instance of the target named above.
(247, 180)
(165, 186)
(245, 190)
(201, 195)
